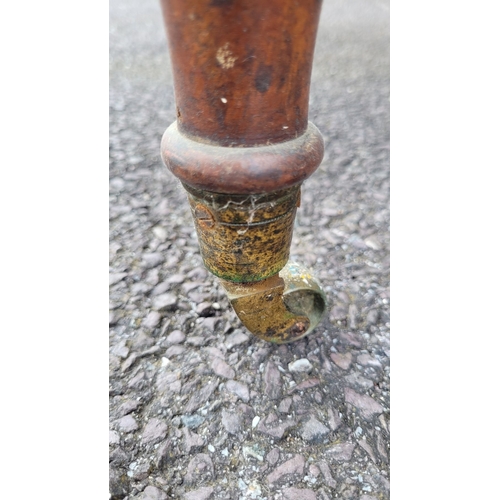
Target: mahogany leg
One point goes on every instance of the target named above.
(242, 145)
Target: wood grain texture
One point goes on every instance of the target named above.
(242, 68)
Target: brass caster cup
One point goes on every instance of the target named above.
(244, 238)
(280, 309)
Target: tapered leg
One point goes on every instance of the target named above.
(242, 145)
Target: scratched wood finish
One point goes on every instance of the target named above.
(243, 170)
(242, 68)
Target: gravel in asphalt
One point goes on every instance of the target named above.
(199, 408)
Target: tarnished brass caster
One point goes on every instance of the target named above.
(280, 309)
(245, 241)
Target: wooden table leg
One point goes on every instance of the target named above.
(242, 145)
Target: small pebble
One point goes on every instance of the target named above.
(192, 421)
(152, 320)
(301, 365)
(164, 302)
(175, 337)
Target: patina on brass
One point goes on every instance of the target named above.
(280, 309)
(244, 238)
(242, 146)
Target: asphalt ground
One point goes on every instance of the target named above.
(198, 407)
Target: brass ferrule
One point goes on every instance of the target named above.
(245, 241)
(244, 238)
